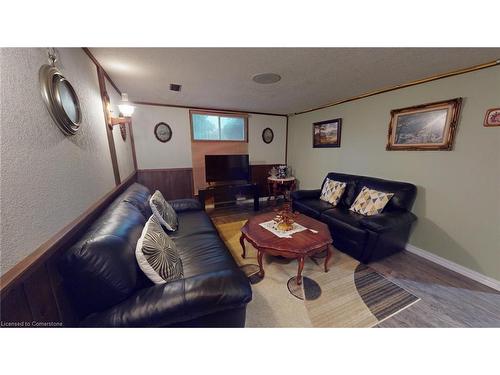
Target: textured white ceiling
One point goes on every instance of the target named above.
(311, 77)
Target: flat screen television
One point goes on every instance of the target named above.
(225, 168)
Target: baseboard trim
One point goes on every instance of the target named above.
(464, 271)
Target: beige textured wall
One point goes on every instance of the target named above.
(123, 148)
(47, 179)
(458, 201)
(152, 154)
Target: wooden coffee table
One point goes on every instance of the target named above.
(302, 244)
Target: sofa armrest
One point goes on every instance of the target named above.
(178, 301)
(306, 194)
(387, 221)
(189, 204)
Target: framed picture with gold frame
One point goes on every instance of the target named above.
(429, 126)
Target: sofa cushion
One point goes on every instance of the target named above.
(163, 211)
(370, 202)
(404, 192)
(203, 253)
(350, 190)
(100, 269)
(192, 222)
(157, 255)
(346, 228)
(311, 207)
(138, 196)
(332, 191)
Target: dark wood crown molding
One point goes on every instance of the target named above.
(404, 85)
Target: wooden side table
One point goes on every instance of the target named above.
(277, 186)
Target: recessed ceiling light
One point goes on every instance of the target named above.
(266, 78)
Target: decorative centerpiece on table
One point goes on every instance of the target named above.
(285, 218)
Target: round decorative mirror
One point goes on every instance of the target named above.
(267, 135)
(61, 99)
(163, 132)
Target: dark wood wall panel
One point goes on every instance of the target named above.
(14, 307)
(260, 172)
(173, 183)
(31, 293)
(40, 295)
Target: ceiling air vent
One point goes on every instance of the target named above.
(175, 87)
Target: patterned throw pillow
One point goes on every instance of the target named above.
(157, 255)
(163, 211)
(370, 202)
(332, 191)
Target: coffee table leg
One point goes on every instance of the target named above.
(299, 272)
(242, 242)
(328, 256)
(259, 258)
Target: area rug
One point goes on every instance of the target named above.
(349, 295)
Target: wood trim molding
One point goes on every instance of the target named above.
(132, 143)
(208, 109)
(286, 142)
(92, 57)
(165, 169)
(61, 239)
(408, 84)
(109, 132)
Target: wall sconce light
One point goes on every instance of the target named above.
(126, 111)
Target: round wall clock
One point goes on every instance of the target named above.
(267, 135)
(61, 99)
(163, 132)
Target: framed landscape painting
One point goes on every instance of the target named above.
(424, 127)
(327, 133)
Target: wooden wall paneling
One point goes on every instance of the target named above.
(14, 307)
(260, 172)
(286, 142)
(66, 312)
(200, 149)
(208, 109)
(32, 289)
(109, 132)
(175, 183)
(40, 296)
(132, 143)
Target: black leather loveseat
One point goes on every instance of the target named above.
(108, 289)
(366, 238)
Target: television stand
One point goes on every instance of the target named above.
(231, 189)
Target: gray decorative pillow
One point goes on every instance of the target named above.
(163, 211)
(157, 255)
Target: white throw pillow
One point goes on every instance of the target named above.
(163, 211)
(157, 255)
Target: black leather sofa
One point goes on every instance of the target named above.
(365, 238)
(108, 289)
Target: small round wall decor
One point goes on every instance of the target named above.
(163, 132)
(267, 135)
(60, 97)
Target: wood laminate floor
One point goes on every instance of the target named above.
(448, 299)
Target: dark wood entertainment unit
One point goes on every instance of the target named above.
(246, 189)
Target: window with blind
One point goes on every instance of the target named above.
(215, 126)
